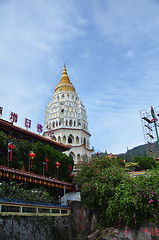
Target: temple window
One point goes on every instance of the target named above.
(84, 142)
(70, 122)
(64, 139)
(77, 140)
(70, 139)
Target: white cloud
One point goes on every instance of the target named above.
(111, 53)
(127, 22)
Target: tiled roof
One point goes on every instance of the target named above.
(8, 127)
(31, 177)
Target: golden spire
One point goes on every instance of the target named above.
(64, 83)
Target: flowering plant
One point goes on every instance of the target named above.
(117, 198)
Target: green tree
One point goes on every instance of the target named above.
(3, 148)
(135, 200)
(21, 157)
(117, 198)
(145, 162)
(98, 179)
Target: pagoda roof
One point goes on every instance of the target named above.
(65, 83)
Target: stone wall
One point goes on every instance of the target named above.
(81, 225)
(147, 231)
(83, 221)
(35, 228)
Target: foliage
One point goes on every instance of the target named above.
(21, 157)
(131, 153)
(135, 200)
(157, 165)
(145, 162)
(17, 191)
(3, 148)
(116, 197)
(132, 166)
(98, 179)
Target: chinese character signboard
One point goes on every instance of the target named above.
(27, 123)
(13, 117)
(39, 128)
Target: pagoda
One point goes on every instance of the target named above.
(66, 120)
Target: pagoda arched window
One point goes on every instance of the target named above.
(56, 123)
(70, 123)
(77, 140)
(74, 123)
(64, 139)
(84, 142)
(79, 123)
(66, 122)
(70, 139)
(71, 154)
(53, 124)
(78, 158)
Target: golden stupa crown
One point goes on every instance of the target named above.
(64, 84)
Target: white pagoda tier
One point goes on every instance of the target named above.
(66, 120)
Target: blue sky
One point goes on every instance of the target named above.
(111, 52)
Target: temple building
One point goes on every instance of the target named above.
(66, 120)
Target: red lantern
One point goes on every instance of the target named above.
(46, 160)
(32, 155)
(11, 147)
(70, 169)
(57, 164)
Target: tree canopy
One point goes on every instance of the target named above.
(116, 197)
(21, 157)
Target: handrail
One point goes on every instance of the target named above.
(14, 207)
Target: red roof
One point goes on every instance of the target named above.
(18, 172)
(8, 127)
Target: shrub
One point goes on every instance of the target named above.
(145, 162)
(117, 198)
